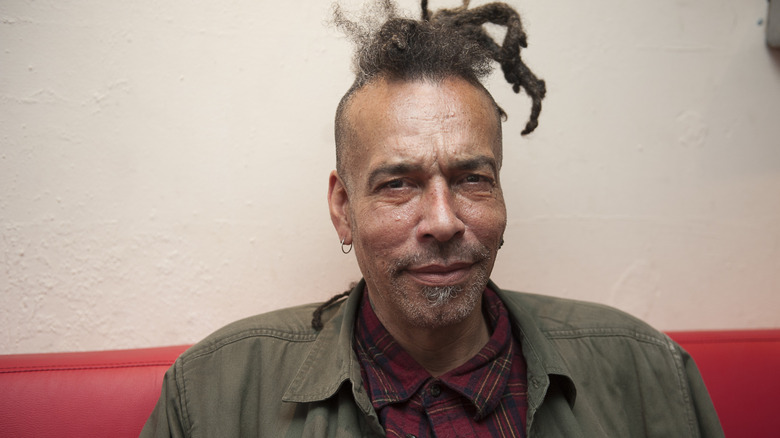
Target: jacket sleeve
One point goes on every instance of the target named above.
(706, 416)
(166, 418)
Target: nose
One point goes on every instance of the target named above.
(440, 220)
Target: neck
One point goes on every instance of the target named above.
(441, 349)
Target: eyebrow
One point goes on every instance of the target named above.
(392, 170)
(475, 163)
(395, 169)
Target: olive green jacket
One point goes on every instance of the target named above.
(592, 372)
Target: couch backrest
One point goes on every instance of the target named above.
(111, 393)
(93, 394)
(741, 369)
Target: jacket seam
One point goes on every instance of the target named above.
(605, 333)
(683, 385)
(183, 399)
(257, 333)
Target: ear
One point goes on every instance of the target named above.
(338, 203)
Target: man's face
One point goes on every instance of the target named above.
(424, 208)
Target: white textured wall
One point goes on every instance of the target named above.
(163, 165)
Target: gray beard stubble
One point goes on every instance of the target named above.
(437, 297)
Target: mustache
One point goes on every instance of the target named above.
(443, 253)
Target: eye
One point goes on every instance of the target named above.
(394, 184)
(475, 183)
(397, 190)
(477, 179)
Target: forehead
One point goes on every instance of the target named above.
(421, 120)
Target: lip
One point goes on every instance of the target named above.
(440, 275)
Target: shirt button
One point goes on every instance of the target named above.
(435, 390)
(409, 435)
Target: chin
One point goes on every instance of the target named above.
(443, 306)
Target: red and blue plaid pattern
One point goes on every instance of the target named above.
(484, 397)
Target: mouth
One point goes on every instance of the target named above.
(440, 275)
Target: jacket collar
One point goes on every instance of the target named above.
(326, 368)
(543, 361)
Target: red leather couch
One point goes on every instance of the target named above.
(111, 393)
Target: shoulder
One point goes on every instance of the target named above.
(285, 326)
(262, 351)
(565, 318)
(248, 367)
(609, 361)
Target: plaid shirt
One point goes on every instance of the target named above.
(484, 397)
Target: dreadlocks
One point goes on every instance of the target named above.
(468, 22)
(445, 43)
(406, 49)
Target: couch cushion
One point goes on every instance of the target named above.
(94, 394)
(740, 369)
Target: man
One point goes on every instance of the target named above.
(425, 345)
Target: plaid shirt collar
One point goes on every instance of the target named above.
(392, 375)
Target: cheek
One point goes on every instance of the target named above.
(385, 228)
(486, 220)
